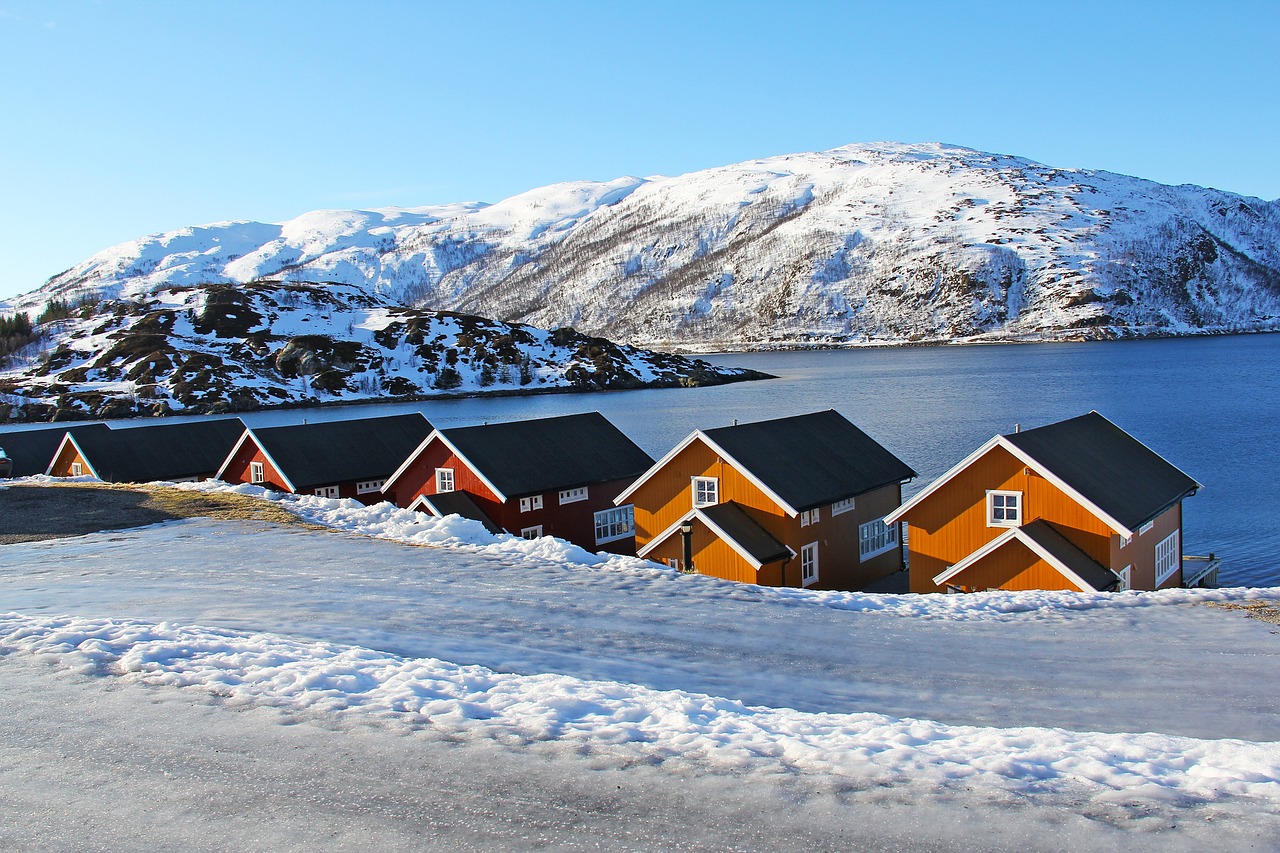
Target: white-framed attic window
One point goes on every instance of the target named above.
(842, 506)
(1004, 509)
(531, 503)
(706, 491)
(444, 480)
(365, 487)
(257, 472)
(568, 496)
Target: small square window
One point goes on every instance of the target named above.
(1004, 509)
(706, 491)
(77, 469)
(444, 480)
(257, 472)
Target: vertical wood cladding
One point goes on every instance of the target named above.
(952, 523)
(668, 495)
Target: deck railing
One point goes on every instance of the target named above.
(1200, 572)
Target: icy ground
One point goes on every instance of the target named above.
(496, 692)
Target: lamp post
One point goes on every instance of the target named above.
(686, 541)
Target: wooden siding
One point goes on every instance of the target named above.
(668, 495)
(574, 522)
(1013, 566)
(237, 470)
(63, 460)
(715, 557)
(952, 523)
(1141, 552)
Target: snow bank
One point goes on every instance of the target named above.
(594, 717)
(385, 521)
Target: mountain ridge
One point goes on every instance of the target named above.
(874, 243)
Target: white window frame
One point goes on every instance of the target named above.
(77, 469)
(1125, 541)
(1146, 527)
(615, 523)
(445, 481)
(1126, 578)
(327, 492)
(531, 503)
(810, 516)
(1168, 557)
(531, 532)
(992, 521)
(365, 487)
(673, 563)
(706, 487)
(569, 496)
(809, 564)
(257, 472)
(845, 505)
(876, 538)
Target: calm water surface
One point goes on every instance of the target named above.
(1209, 405)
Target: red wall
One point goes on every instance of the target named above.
(238, 472)
(574, 522)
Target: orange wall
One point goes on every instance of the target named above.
(952, 523)
(66, 456)
(668, 495)
(1012, 566)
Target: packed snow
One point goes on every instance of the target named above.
(1150, 714)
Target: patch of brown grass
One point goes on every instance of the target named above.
(1263, 609)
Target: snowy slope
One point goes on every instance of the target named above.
(217, 348)
(880, 242)
(605, 661)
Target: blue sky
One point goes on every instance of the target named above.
(122, 119)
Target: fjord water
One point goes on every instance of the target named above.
(1209, 405)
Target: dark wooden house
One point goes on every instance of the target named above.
(334, 459)
(32, 450)
(545, 477)
(1075, 505)
(173, 452)
(796, 501)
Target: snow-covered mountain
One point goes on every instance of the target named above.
(881, 242)
(219, 348)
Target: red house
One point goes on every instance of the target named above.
(1075, 505)
(332, 459)
(545, 477)
(173, 452)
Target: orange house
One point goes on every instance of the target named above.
(797, 501)
(1075, 505)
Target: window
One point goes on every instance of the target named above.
(1146, 527)
(444, 480)
(809, 564)
(1125, 541)
(257, 472)
(809, 516)
(876, 537)
(1168, 557)
(842, 506)
(367, 486)
(706, 491)
(568, 496)
(673, 563)
(1004, 509)
(530, 504)
(616, 523)
(1124, 575)
(532, 532)
(327, 492)
(77, 470)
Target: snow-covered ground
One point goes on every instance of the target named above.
(550, 697)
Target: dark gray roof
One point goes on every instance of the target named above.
(749, 535)
(1090, 571)
(330, 452)
(168, 451)
(1113, 470)
(460, 503)
(32, 449)
(535, 456)
(810, 460)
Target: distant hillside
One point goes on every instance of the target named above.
(221, 348)
(867, 243)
